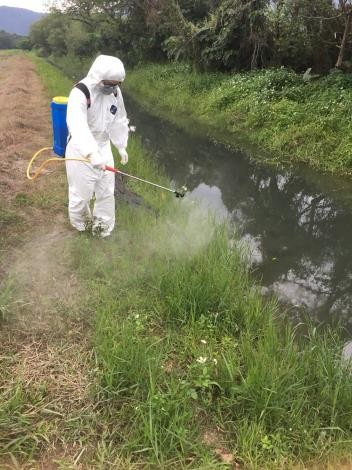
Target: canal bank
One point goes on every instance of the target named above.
(295, 222)
(289, 119)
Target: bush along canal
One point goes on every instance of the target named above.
(191, 367)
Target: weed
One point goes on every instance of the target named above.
(286, 118)
(23, 200)
(8, 217)
(6, 298)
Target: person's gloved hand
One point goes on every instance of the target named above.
(97, 160)
(123, 155)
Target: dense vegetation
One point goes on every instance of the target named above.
(13, 41)
(290, 119)
(226, 35)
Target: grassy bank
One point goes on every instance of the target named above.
(286, 118)
(194, 368)
(189, 366)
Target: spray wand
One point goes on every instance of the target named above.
(178, 193)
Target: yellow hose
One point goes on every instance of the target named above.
(53, 159)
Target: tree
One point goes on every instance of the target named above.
(234, 35)
(226, 35)
(346, 9)
(304, 33)
(24, 44)
(48, 34)
(6, 40)
(79, 42)
(123, 27)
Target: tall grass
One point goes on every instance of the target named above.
(186, 348)
(288, 119)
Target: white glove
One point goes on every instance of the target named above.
(123, 155)
(97, 160)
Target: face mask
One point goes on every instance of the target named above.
(108, 89)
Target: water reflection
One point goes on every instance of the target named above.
(299, 236)
(211, 198)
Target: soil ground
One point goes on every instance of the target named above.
(44, 338)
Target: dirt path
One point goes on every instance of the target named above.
(25, 127)
(24, 122)
(44, 334)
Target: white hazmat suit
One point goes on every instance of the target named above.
(90, 133)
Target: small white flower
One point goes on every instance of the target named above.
(202, 360)
(215, 361)
(203, 341)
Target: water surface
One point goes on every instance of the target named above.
(297, 223)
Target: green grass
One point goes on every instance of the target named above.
(185, 344)
(56, 84)
(286, 119)
(6, 298)
(10, 52)
(185, 347)
(22, 200)
(72, 66)
(8, 217)
(23, 426)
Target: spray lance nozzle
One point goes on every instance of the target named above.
(181, 192)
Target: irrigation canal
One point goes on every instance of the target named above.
(298, 224)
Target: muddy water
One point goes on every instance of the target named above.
(298, 225)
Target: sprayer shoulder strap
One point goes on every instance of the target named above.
(84, 89)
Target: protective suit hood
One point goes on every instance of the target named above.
(106, 67)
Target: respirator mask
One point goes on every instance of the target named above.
(108, 89)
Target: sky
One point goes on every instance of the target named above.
(35, 5)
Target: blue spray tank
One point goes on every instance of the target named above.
(60, 131)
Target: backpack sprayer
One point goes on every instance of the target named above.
(60, 133)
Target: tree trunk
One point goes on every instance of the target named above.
(344, 39)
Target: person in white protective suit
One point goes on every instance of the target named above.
(91, 128)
